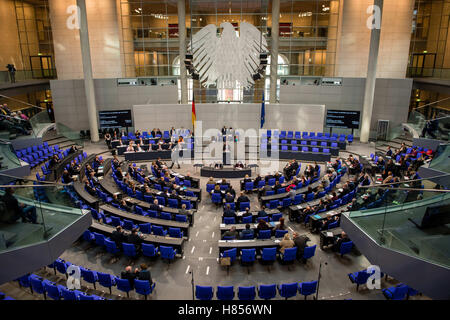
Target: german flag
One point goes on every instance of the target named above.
(194, 117)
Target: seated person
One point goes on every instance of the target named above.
(135, 238)
(229, 197)
(89, 188)
(129, 275)
(97, 163)
(228, 212)
(130, 147)
(247, 232)
(66, 177)
(73, 149)
(247, 179)
(232, 233)
(54, 161)
(301, 242)
(155, 206)
(118, 236)
(338, 241)
(74, 169)
(262, 213)
(286, 243)
(20, 210)
(281, 225)
(242, 198)
(144, 273)
(262, 225)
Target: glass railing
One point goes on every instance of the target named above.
(437, 128)
(40, 123)
(441, 161)
(414, 72)
(27, 75)
(37, 218)
(69, 134)
(392, 215)
(9, 159)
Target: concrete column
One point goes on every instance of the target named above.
(371, 78)
(274, 53)
(182, 41)
(87, 71)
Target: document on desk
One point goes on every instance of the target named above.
(317, 216)
(330, 234)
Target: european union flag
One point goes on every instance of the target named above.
(263, 111)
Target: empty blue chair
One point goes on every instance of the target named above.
(398, 292)
(305, 149)
(149, 250)
(268, 255)
(346, 247)
(123, 285)
(38, 286)
(277, 216)
(173, 203)
(280, 233)
(289, 255)
(167, 253)
(273, 204)
(204, 292)
(247, 293)
(89, 276)
(129, 249)
(210, 187)
(53, 291)
(225, 292)
(143, 287)
(359, 277)
(159, 231)
(181, 218)
(294, 148)
(128, 224)
(111, 247)
(106, 280)
(315, 149)
(166, 215)
(288, 290)
(70, 295)
(145, 228)
(267, 292)
(298, 199)
(271, 181)
(88, 236)
(248, 256)
(307, 288)
(229, 220)
(175, 233)
(264, 234)
(309, 252)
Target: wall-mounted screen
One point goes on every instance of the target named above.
(115, 119)
(343, 119)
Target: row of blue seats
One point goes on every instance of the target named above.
(146, 228)
(5, 297)
(52, 290)
(37, 154)
(266, 292)
(303, 143)
(106, 280)
(398, 292)
(46, 167)
(148, 250)
(294, 148)
(305, 135)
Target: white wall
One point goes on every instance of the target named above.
(243, 116)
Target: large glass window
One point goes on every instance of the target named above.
(429, 49)
(307, 45)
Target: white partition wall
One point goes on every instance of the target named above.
(300, 117)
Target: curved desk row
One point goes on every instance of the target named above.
(341, 144)
(184, 226)
(299, 147)
(154, 155)
(228, 173)
(299, 155)
(57, 171)
(278, 196)
(176, 243)
(247, 244)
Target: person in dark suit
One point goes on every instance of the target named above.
(247, 232)
(144, 273)
(118, 236)
(339, 241)
(66, 177)
(135, 239)
(129, 275)
(231, 233)
(262, 213)
(229, 212)
(242, 198)
(155, 206)
(301, 242)
(54, 161)
(20, 210)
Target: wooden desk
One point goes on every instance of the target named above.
(176, 243)
(184, 226)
